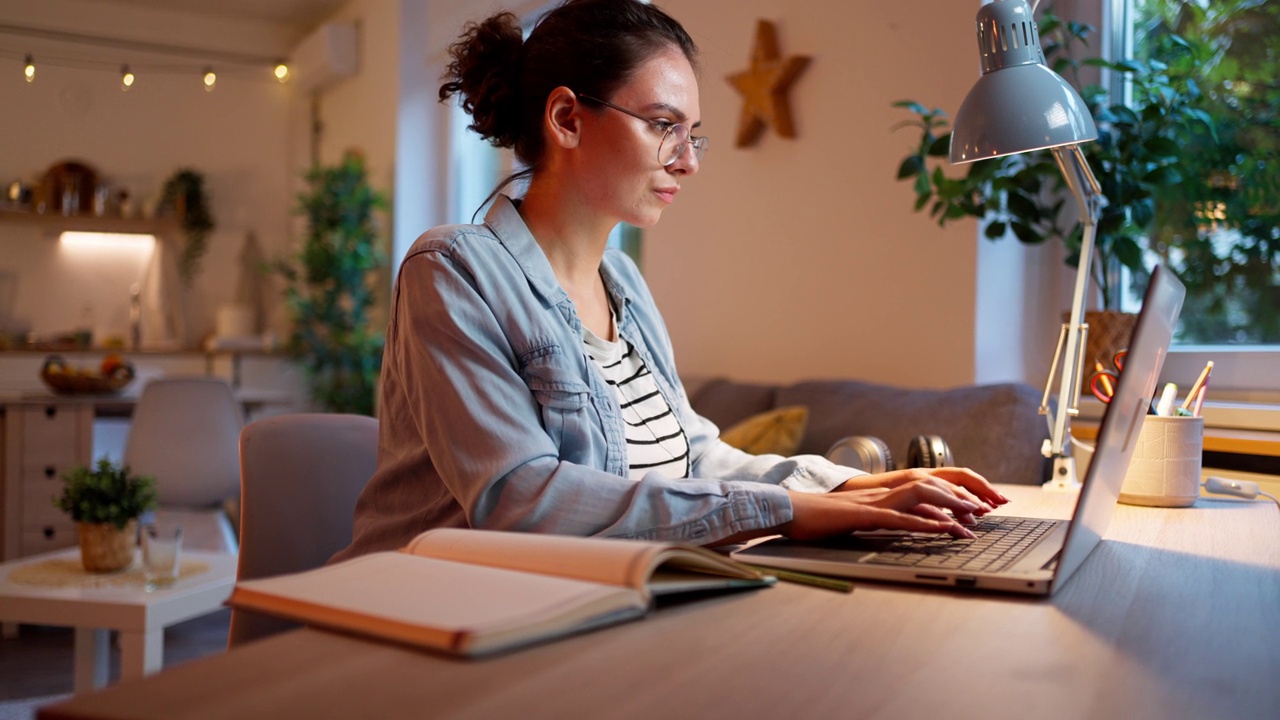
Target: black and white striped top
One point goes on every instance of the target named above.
(655, 440)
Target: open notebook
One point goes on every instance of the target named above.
(473, 592)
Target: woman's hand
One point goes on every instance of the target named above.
(962, 482)
(914, 500)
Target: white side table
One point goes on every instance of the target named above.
(123, 605)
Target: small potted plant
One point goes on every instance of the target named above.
(105, 502)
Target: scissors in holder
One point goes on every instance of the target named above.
(1103, 382)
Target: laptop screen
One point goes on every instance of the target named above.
(1123, 419)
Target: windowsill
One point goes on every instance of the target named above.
(1240, 428)
(1249, 416)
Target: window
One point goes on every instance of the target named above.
(1219, 225)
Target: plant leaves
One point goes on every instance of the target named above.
(911, 166)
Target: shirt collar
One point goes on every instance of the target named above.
(504, 220)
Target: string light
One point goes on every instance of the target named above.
(279, 68)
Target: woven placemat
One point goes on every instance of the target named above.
(70, 572)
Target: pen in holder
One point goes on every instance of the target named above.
(1165, 470)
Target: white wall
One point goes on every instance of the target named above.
(803, 258)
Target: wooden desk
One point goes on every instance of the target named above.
(1177, 615)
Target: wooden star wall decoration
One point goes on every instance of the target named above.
(764, 88)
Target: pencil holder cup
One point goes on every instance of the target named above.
(1165, 470)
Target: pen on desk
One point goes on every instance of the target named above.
(1195, 388)
(800, 578)
(1167, 399)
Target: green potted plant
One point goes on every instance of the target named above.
(183, 196)
(330, 287)
(1136, 154)
(105, 502)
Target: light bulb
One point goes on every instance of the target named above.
(29, 70)
(126, 78)
(210, 79)
(282, 72)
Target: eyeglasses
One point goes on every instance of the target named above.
(675, 137)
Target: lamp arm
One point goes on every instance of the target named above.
(1090, 201)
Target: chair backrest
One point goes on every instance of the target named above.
(185, 432)
(300, 476)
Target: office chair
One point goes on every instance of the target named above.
(185, 432)
(300, 476)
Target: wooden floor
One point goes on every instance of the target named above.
(38, 663)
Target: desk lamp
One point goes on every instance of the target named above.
(1020, 105)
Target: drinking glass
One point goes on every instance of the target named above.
(161, 554)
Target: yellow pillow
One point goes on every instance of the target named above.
(773, 432)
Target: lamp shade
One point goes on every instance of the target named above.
(1018, 104)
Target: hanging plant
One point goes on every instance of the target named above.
(183, 196)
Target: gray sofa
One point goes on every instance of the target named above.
(994, 429)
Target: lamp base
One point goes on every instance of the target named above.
(1064, 477)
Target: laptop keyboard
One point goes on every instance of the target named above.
(999, 541)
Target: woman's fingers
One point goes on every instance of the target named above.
(972, 482)
(913, 494)
(819, 516)
(894, 520)
(964, 483)
(925, 490)
(931, 512)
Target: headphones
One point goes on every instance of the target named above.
(871, 454)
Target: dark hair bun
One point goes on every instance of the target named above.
(485, 72)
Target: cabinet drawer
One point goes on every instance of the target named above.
(37, 504)
(47, 469)
(54, 433)
(48, 538)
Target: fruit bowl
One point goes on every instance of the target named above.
(111, 377)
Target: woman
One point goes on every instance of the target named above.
(529, 382)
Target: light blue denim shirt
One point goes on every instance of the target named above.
(492, 416)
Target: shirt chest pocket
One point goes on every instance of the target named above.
(564, 401)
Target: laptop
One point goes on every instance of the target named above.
(1023, 555)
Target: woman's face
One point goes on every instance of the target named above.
(623, 176)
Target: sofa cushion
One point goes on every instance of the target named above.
(726, 402)
(772, 432)
(993, 429)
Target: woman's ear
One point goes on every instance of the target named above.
(563, 118)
